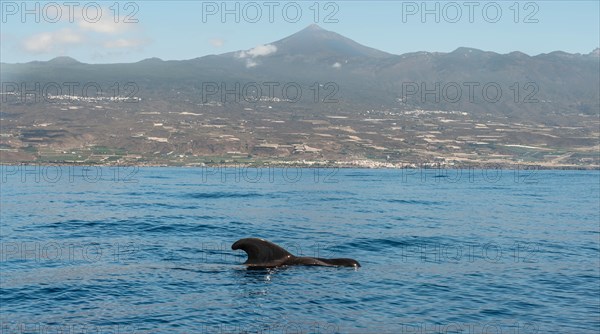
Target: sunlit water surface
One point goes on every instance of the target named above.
(149, 251)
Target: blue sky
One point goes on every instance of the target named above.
(190, 29)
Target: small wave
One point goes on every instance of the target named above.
(217, 195)
(413, 201)
(140, 193)
(497, 187)
(406, 242)
(370, 244)
(358, 175)
(495, 312)
(337, 199)
(158, 205)
(72, 224)
(180, 227)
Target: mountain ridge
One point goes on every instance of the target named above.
(365, 76)
(595, 53)
(305, 39)
(353, 102)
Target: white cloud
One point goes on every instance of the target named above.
(336, 65)
(262, 50)
(98, 37)
(104, 26)
(55, 41)
(250, 63)
(100, 19)
(216, 42)
(259, 51)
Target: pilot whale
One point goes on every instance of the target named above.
(265, 254)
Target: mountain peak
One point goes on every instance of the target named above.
(313, 27)
(466, 50)
(151, 60)
(63, 60)
(317, 42)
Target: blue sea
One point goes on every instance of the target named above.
(148, 250)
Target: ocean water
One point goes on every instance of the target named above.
(147, 250)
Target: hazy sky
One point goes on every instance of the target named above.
(128, 31)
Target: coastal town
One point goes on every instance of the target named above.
(135, 131)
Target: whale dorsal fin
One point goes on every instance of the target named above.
(261, 252)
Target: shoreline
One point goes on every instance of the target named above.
(343, 165)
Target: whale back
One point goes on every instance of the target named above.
(316, 261)
(342, 262)
(265, 254)
(262, 253)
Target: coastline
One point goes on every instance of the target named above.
(363, 164)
